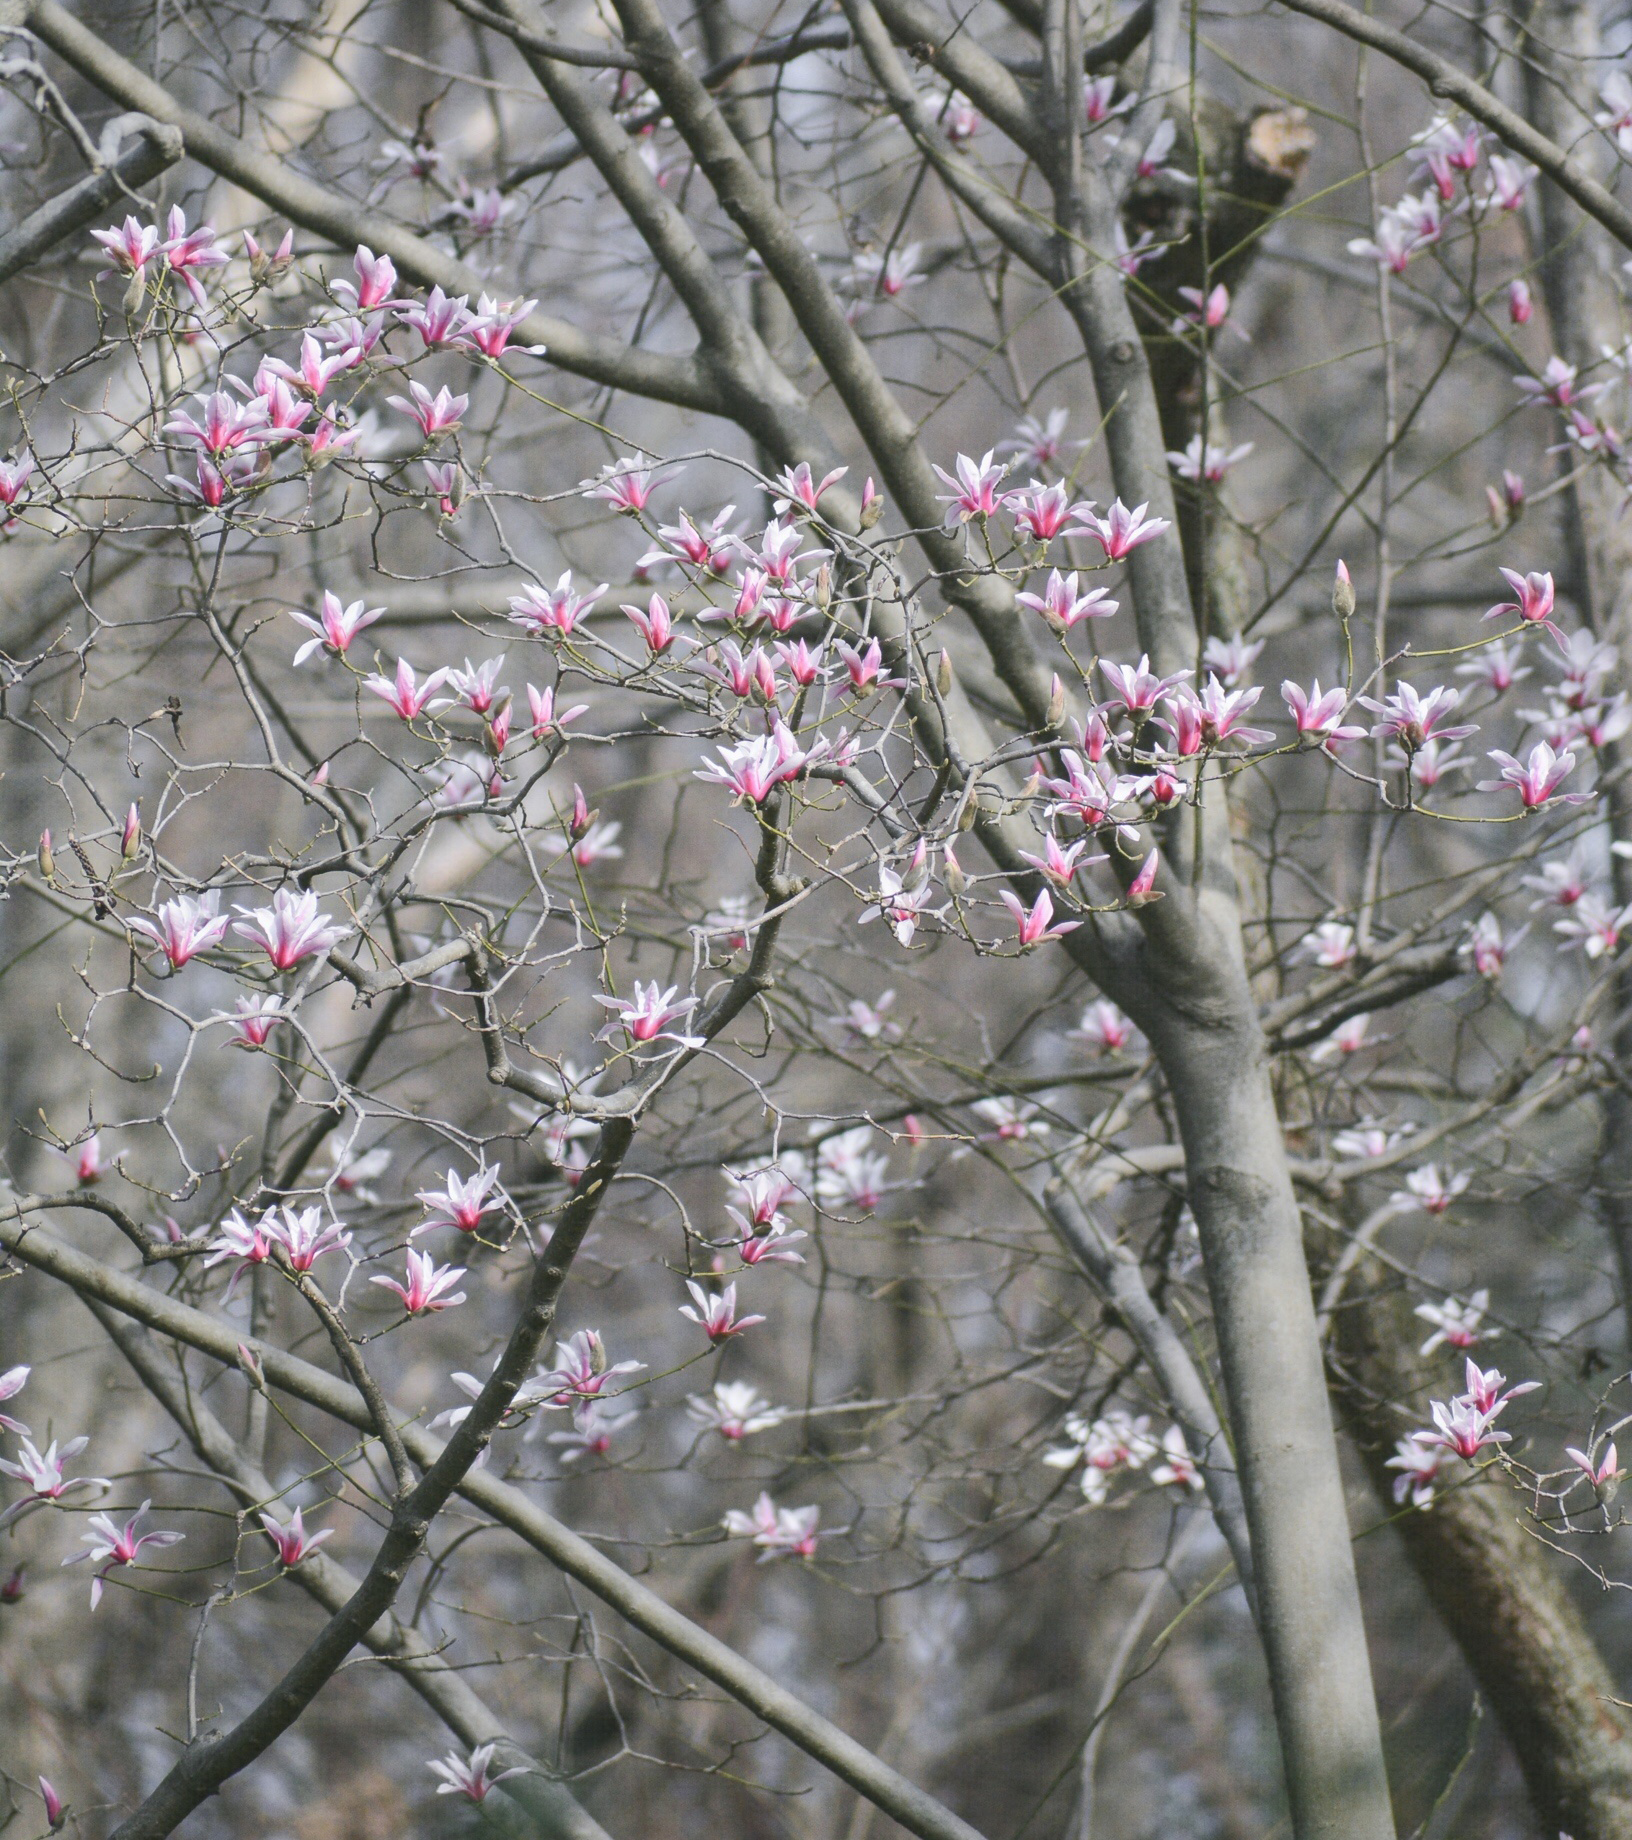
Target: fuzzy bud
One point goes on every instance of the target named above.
(1342, 593)
(872, 505)
(943, 673)
(47, 860)
(954, 877)
(1056, 703)
(250, 1363)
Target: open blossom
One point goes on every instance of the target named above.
(14, 478)
(848, 1172)
(1533, 599)
(541, 707)
(335, 626)
(1063, 607)
(581, 1371)
(1562, 882)
(111, 1546)
(472, 1776)
(1040, 443)
(1461, 1428)
(765, 1192)
(1556, 386)
(478, 686)
(647, 1014)
(1207, 460)
(1488, 1389)
(1537, 779)
(592, 844)
(409, 696)
(227, 425)
(1115, 1441)
(1593, 925)
(1487, 946)
(1421, 1466)
(594, 1425)
(734, 1409)
(1060, 865)
(184, 926)
(754, 769)
(1121, 530)
(1329, 945)
(1455, 1324)
(439, 321)
(707, 547)
(434, 414)
(901, 899)
(1412, 719)
(376, 278)
(974, 493)
(461, 1201)
(131, 247)
(885, 274)
(292, 1540)
(558, 609)
(291, 929)
(777, 1531)
(41, 1472)
(12, 1382)
(626, 484)
(304, 1234)
(1011, 1120)
(1427, 1189)
(1044, 512)
(186, 251)
(494, 321)
(716, 1313)
(248, 1243)
(1033, 925)
(1604, 1473)
(1510, 181)
(1103, 1028)
(797, 486)
(1176, 1468)
(427, 1281)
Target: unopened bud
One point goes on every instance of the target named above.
(968, 813)
(497, 733)
(11, 1592)
(48, 862)
(130, 840)
(954, 877)
(250, 1362)
(1342, 592)
(1056, 703)
(823, 595)
(872, 505)
(321, 776)
(582, 816)
(135, 294)
(943, 673)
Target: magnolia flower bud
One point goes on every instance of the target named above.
(968, 813)
(11, 1592)
(321, 776)
(48, 862)
(1056, 703)
(1342, 592)
(823, 593)
(249, 1361)
(130, 840)
(954, 877)
(872, 505)
(135, 294)
(943, 673)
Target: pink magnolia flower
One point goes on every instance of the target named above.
(1142, 890)
(12, 1382)
(716, 1314)
(483, 211)
(1446, 148)
(1556, 386)
(848, 1172)
(902, 899)
(42, 1473)
(314, 373)
(734, 1409)
(1063, 607)
(1060, 865)
(1462, 1429)
(407, 695)
(1177, 1469)
(376, 278)
(1098, 96)
(1012, 1120)
(290, 1537)
(626, 485)
(1427, 1189)
(472, 1776)
(1412, 719)
(1160, 145)
(1593, 925)
(440, 321)
(777, 1531)
(132, 246)
(248, 1243)
(423, 1293)
(655, 623)
(1319, 712)
(86, 1158)
(864, 667)
(885, 274)
(797, 486)
(559, 609)
(1421, 1466)
(494, 321)
(1103, 1028)
(478, 686)
(1032, 926)
(266, 267)
(592, 844)
(709, 548)
(434, 414)
(186, 251)
(1208, 310)
(594, 1425)
(768, 1245)
(1206, 460)
(291, 929)
(1131, 257)
(1040, 443)
(304, 1234)
(1455, 1324)
(1534, 602)
(1042, 512)
(1121, 530)
(1488, 947)
(227, 424)
(335, 626)
(254, 1019)
(184, 926)
(647, 1014)
(804, 666)
(112, 1546)
(581, 1371)
(541, 703)
(1136, 687)
(754, 769)
(1519, 304)
(14, 478)
(461, 1201)
(1329, 945)
(974, 491)
(1497, 667)
(1537, 779)
(1604, 1474)
(1346, 1039)
(1485, 1388)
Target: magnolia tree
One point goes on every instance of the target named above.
(816, 866)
